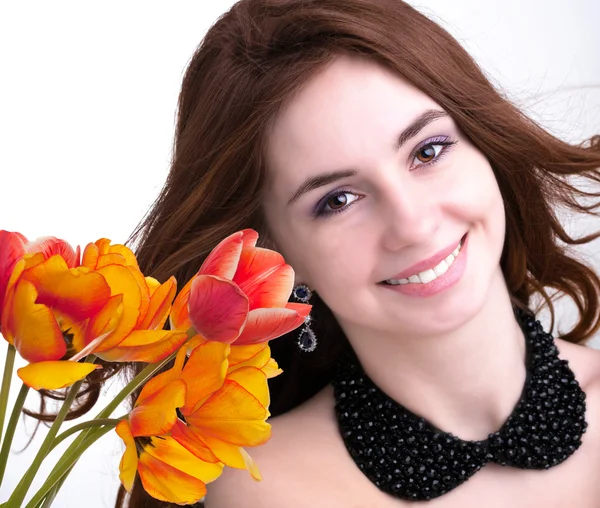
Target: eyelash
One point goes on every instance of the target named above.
(444, 141)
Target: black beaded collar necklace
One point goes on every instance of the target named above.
(408, 458)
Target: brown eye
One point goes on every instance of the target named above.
(426, 154)
(337, 201)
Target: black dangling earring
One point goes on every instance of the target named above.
(307, 340)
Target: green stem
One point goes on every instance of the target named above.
(111, 422)
(64, 466)
(18, 495)
(49, 499)
(6, 379)
(10, 429)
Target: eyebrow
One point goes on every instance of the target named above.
(411, 131)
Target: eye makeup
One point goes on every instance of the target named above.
(323, 210)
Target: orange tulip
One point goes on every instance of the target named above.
(168, 471)
(46, 303)
(239, 295)
(138, 309)
(58, 310)
(197, 417)
(226, 406)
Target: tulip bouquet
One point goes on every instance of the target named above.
(61, 310)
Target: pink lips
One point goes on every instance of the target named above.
(428, 263)
(443, 282)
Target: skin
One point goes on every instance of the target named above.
(437, 355)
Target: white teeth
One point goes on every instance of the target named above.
(427, 276)
(431, 274)
(442, 268)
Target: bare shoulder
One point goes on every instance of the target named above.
(583, 360)
(289, 462)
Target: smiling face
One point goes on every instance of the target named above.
(370, 181)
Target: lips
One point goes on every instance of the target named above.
(428, 263)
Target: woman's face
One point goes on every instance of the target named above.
(371, 180)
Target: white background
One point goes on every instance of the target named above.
(87, 103)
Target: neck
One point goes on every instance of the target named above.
(465, 381)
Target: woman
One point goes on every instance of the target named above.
(417, 207)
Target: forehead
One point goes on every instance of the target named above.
(349, 113)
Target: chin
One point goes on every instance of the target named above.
(456, 309)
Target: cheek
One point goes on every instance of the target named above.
(336, 258)
(325, 258)
(478, 189)
(486, 206)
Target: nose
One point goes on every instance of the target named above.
(410, 216)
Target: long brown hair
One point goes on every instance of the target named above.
(245, 70)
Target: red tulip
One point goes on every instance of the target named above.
(240, 294)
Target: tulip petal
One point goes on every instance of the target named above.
(218, 309)
(160, 305)
(12, 247)
(157, 415)
(271, 369)
(233, 456)
(264, 277)
(90, 256)
(180, 319)
(110, 259)
(267, 324)
(250, 237)
(167, 484)
(251, 466)
(144, 292)
(73, 332)
(121, 281)
(194, 342)
(129, 461)
(161, 380)
(253, 380)
(148, 346)
(50, 246)
(34, 259)
(124, 252)
(75, 292)
(167, 450)
(36, 333)
(171, 473)
(7, 310)
(253, 355)
(53, 375)
(106, 321)
(192, 442)
(234, 415)
(153, 284)
(223, 259)
(204, 373)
